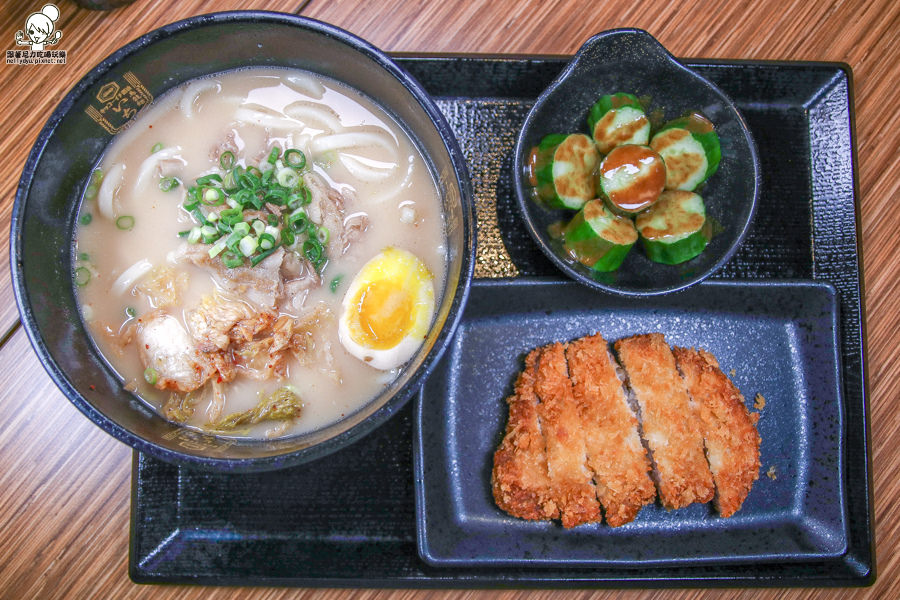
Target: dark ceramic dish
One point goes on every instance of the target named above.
(74, 139)
(631, 60)
(781, 338)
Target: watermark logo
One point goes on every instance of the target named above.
(40, 31)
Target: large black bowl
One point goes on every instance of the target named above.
(631, 60)
(75, 137)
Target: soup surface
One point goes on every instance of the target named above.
(259, 253)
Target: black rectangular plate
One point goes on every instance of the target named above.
(781, 339)
(351, 521)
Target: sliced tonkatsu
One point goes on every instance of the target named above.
(729, 431)
(570, 480)
(615, 454)
(669, 421)
(520, 482)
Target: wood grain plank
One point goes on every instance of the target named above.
(64, 484)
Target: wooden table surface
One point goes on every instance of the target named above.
(64, 484)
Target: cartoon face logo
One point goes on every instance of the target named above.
(39, 29)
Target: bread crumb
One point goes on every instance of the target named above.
(771, 474)
(759, 402)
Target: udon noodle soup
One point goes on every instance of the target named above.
(259, 253)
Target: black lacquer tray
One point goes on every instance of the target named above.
(350, 520)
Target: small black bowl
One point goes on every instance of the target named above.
(76, 135)
(631, 60)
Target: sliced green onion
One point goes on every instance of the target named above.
(167, 184)
(125, 222)
(322, 235)
(82, 276)
(194, 235)
(151, 376)
(248, 245)
(212, 196)
(312, 250)
(266, 241)
(261, 257)
(93, 184)
(287, 237)
(294, 158)
(273, 155)
(156, 147)
(297, 220)
(86, 219)
(202, 181)
(200, 216)
(335, 283)
(226, 160)
(288, 177)
(216, 248)
(271, 219)
(277, 196)
(230, 216)
(131, 312)
(258, 226)
(83, 257)
(232, 260)
(209, 234)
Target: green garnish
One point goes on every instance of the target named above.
(156, 147)
(130, 312)
(86, 219)
(335, 283)
(226, 160)
(82, 276)
(294, 158)
(167, 184)
(283, 404)
(125, 222)
(83, 257)
(236, 196)
(151, 376)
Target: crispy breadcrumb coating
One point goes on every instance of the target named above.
(671, 426)
(731, 439)
(614, 450)
(519, 479)
(570, 480)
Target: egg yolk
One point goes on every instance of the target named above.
(385, 314)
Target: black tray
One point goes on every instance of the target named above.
(351, 520)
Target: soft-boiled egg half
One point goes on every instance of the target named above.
(387, 309)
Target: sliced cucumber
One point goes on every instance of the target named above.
(617, 119)
(690, 147)
(631, 178)
(674, 230)
(562, 170)
(598, 238)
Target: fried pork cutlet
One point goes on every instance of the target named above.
(570, 479)
(670, 423)
(614, 450)
(729, 432)
(519, 480)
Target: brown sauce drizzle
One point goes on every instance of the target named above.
(644, 189)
